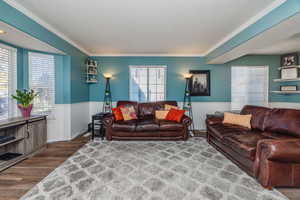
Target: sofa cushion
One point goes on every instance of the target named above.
(245, 144)
(147, 125)
(128, 126)
(284, 121)
(236, 119)
(277, 135)
(219, 130)
(165, 125)
(129, 103)
(258, 115)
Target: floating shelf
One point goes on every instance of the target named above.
(8, 163)
(11, 141)
(92, 81)
(288, 67)
(286, 80)
(286, 92)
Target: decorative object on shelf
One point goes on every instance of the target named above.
(288, 88)
(107, 102)
(187, 103)
(91, 71)
(289, 73)
(25, 98)
(199, 83)
(289, 59)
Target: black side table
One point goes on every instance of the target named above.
(97, 121)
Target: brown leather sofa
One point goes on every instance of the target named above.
(270, 152)
(146, 127)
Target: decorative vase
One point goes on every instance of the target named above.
(25, 111)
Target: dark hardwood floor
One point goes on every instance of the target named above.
(17, 180)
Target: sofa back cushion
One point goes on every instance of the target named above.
(284, 121)
(147, 110)
(259, 115)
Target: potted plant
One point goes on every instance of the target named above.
(25, 98)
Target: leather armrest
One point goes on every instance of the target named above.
(187, 121)
(214, 120)
(108, 120)
(285, 150)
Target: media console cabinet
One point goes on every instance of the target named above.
(29, 136)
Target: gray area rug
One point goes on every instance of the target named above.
(120, 170)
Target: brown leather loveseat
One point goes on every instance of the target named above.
(270, 151)
(146, 127)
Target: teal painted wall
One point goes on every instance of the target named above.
(74, 88)
(60, 71)
(176, 67)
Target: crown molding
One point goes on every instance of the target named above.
(37, 19)
(148, 55)
(251, 21)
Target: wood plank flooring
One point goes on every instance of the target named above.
(17, 180)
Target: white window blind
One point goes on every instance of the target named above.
(8, 81)
(42, 80)
(147, 83)
(249, 86)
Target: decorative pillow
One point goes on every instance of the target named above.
(117, 113)
(161, 114)
(236, 119)
(169, 107)
(175, 115)
(128, 113)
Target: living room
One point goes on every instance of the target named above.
(149, 99)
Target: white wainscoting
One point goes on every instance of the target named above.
(284, 105)
(80, 118)
(68, 121)
(59, 123)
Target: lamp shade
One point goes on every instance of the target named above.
(107, 75)
(186, 76)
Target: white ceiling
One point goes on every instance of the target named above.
(146, 27)
(276, 40)
(21, 39)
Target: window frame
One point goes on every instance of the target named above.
(267, 68)
(12, 80)
(52, 107)
(148, 67)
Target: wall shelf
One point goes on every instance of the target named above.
(288, 67)
(286, 80)
(91, 72)
(286, 92)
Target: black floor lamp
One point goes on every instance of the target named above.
(187, 103)
(107, 102)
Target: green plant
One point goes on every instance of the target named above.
(24, 97)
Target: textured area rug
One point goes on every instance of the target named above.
(120, 170)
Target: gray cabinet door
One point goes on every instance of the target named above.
(37, 135)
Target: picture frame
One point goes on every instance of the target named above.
(289, 60)
(199, 84)
(288, 88)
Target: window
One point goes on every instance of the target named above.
(249, 85)
(42, 80)
(147, 83)
(8, 81)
